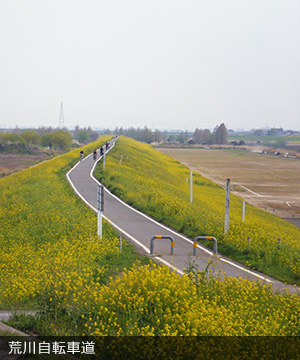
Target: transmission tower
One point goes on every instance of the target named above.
(61, 117)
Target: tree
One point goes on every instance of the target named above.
(76, 132)
(197, 136)
(157, 136)
(207, 136)
(220, 134)
(83, 137)
(44, 130)
(183, 137)
(11, 142)
(172, 138)
(259, 132)
(47, 140)
(62, 140)
(180, 137)
(92, 134)
(31, 138)
(165, 136)
(202, 136)
(147, 135)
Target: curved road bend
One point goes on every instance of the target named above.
(139, 229)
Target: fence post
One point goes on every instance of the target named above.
(279, 243)
(194, 247)
(191, 186)
(227, 203)
(100, 209)
(104, 157)
(120, 243)
(215, 251)
(162, 237)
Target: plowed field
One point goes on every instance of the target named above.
(10, 163)
(267, 181)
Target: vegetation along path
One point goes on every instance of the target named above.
(139, 229)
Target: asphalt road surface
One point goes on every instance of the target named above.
(139, 229)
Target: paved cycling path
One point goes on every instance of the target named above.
(139, 229)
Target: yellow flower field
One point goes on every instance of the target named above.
(154, 301)
(52, 260)
(50, 252)
(157, 184)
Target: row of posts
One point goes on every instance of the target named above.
(227, 201)
(278, 243)
(226, 223)
(215, 250)
(100, 192)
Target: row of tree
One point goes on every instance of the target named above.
(61, 139)
(218, 136)
(30, 139)
(144, 135)
(83, 135)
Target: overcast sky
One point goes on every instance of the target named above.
(166, 64)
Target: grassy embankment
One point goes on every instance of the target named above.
(52, 260)
(156, 184)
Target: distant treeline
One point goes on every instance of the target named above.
(47, 137)
(63, 139)
(218, 136)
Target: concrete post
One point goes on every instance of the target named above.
(100, 209)
(227, 203)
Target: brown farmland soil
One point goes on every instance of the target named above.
(266, 181)
(10, 163)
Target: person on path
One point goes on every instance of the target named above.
(95, 155)
(81, 154)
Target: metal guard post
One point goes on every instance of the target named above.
(162, 237)
(205, 238)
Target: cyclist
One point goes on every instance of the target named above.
(81, 154)
(95, 155)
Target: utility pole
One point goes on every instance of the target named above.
(61, 117)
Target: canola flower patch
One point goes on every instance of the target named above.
(159, 186)
(51, 257)
(154, 301)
